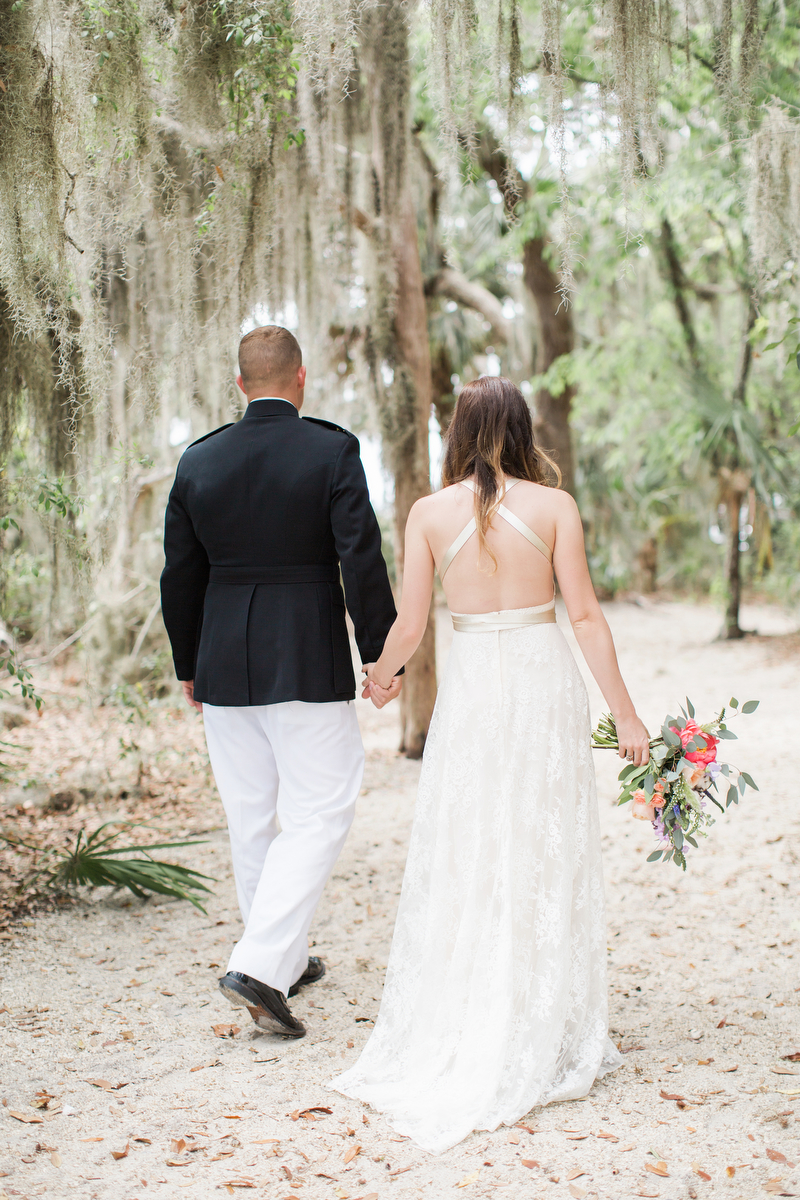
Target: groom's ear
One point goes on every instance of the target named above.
(240, 385)
(301, 378)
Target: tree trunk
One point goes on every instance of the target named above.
(556, 337)
(647, 566)
(398, 347)
(735, 484)
(412, 471)
(556, 329)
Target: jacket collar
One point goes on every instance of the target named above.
(270, 406)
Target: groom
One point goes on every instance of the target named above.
(263, 515)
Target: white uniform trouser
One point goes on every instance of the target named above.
(301, 765)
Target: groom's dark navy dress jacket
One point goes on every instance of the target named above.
(262, 515)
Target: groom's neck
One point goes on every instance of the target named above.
(276, 393)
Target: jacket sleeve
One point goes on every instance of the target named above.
(183, 583)
(358, 543)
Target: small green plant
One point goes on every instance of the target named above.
(20, 677)
(96, 860)
(53, 495)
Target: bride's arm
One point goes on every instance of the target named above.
(591, 629)
(412, 618)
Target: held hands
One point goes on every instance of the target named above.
(188, 691)
(634, 740)
(380, 696)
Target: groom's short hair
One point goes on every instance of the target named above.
(269, 354)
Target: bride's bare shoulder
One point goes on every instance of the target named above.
(443, 499)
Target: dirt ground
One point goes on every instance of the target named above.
(124, 1075)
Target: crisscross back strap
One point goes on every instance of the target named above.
(507, 515)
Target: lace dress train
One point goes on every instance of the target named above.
(495, 997)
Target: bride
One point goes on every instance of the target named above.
(495, 998)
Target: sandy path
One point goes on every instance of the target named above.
(704, 988)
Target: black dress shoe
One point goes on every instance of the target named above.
(314, 971)
(266, 1005)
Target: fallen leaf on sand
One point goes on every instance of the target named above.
(105, 1085)
(263, 1141)
(400, 1171)
(99, 1139)
(611, 1137)
(212, 1062)
(782, 1071)
(529, 1162)
(55, 1158)
(118, 1154)
(527, 1129)
(222, 1154)
(659, 1168)
(286, 1172)
(728, 1070)
(670, 1095)
(652, 1195)
(513, 1138)
(794, 1057)
(776, 1156)
(146, 1141)
(776, 1188)
(308, 1113)
(351, 1153)
(574, 1174)
(576, 1137)
(28, 1118)
(230, 1184)
(698, 1170)
(231, 1117)
(43, 1098)
(225, 1031)
(468, 1179)
(177, 1144)
(704, 1062)
(577, 1192)
(624, 1149)
(178, 1162)
(730, 1172)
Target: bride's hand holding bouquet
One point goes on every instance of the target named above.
(674, 785)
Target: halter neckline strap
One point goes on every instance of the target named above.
(507, 515)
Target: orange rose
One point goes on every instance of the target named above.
(643, 809)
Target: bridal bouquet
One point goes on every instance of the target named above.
(673, 789)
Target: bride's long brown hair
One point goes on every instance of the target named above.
(490, 437)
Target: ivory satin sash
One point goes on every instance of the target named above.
(509, 618)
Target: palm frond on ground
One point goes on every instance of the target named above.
(96, 860)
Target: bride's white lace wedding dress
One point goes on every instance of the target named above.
(495, 997)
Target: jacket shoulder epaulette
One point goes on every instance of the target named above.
(330, 425)
(206, 436)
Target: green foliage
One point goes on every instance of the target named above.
(96, 860)
(15, 672)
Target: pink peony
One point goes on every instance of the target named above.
(692, 730)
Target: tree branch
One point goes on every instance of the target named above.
(678, 281)
(455, 286)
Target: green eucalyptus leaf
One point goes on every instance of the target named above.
(732, 795)
(734, 703)
(690, 706)
(749, 780)
(750, 706)
(654, 857)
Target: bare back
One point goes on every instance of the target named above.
(523, 576)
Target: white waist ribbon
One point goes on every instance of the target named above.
(509, 618)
